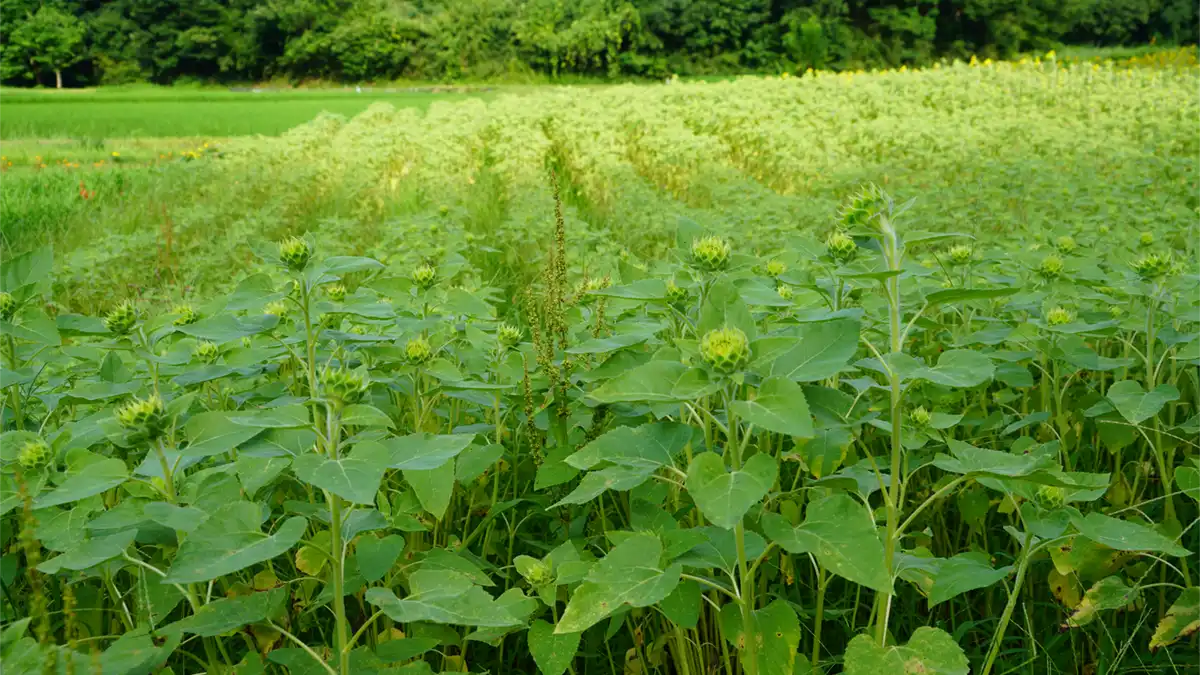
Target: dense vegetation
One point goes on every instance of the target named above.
(90, 42)
(878, 374)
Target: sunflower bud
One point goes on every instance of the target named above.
(960, 254)
(336, 292)
(1116, 311)
(278, 308)
(418, 351)
(1051, 496)
(725, 350)
(294, 253)
(424, 276)
(121, 319)
(1065, 244)
(863, 207)
(508, 335)
(540, 574)
(206, 352)
(784, 291)
(1152, 266)
(8, 305)
(1146, 239)
(34, 454)
(919, 416)
(841, 247)
(147, 417)
(775, 268)
(711, 254)
(1059, 316)
(1103, 229)
(1051, 267)
(343, 387)
(185, 315)
(676, 295)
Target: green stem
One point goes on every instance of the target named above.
(746, 590)
(1006, 616)
(15, 389)
(822, 584)
(168, 478)
(339, 600)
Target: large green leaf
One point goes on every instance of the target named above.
(354, 477)
(552, 652)
(214, 433)
(1182, 619)
(628, 575)
(725, 496)
(221, 616)
(777, 635)
(230, 540)
(648, 445)
(962, 573)
(1137, 405)
(85, 478)
(959, 368)
(839, 531)
(779, 407)
(659, 381)
(441, 596)
(822, 351)
(619, 478)
(433, 487)
(90, 553)
(930, 651)
(1125, 535)
(969, 459)
(376, 556)
(1107, 594)
(425, 451)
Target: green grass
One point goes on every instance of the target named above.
(161, 111)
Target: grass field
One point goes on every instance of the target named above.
(862, 373)
(149, 112)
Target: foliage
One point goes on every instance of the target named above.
(640, 384)
(171, 41)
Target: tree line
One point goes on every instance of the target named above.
(89, 42)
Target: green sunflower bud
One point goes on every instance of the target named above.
(1103, 229)
(121, 320)
(508, 335)
(1065, 244)
(148, 416)
(8, 305)
(343, 387)
(1059, 316)
(185, 315)
(206, 352)
(540, 574)
(1146, 239)
(960, 254)
(919, 416)
(425, 276)
(336, 292)
(1116, 311)
(775, 268)
(676, 295)
(863, 206)
(711, 253)
(34, 454)
(1152, 266)
(1051, 267)
(784, 291)
(294, 253)
(726, 350)
(418, 351)
(278, 308)
(841, 247)
(1051, 496)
